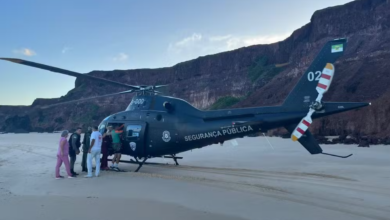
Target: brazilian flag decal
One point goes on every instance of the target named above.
(337, 48)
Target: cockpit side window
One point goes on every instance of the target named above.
(133, 130)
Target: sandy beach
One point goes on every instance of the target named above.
(253, 180)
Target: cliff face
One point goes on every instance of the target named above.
(257, 75)
(362, 74)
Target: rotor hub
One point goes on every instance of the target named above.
(316, 105)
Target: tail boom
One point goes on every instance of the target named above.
(331, 108)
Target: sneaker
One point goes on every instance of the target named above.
(87, 176)
(116, 169)
(75, 174)
(59, 177)
(72, 176)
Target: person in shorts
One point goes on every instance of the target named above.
(116, 146)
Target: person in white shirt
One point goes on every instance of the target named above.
(94, 151)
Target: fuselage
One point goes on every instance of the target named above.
(160, 125)
(184, 127)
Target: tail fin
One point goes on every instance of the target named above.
(307, 140)
(310, 143)
(305, 91)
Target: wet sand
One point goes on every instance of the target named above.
(250, 181)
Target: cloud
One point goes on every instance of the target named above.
(236, 42)
(65, 49)
(187, 42)
(120, 57)
(219, 38)
(197, 45)
(25, 51)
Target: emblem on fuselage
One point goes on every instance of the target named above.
(133, 146)
(166, 136)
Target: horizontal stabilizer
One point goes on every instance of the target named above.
(330, 108)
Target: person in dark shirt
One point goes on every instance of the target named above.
(107, 142)
(86, 144)
(74, 145)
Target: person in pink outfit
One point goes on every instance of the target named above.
(62, 155)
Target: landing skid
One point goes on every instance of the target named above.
(141, 163)
(110, 169)
(174, 158)
(137, 162)
(114, 170)
(333, 155)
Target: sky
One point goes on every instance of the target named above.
(89, 35)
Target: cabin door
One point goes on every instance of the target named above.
(135, 138)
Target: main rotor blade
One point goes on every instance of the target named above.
(160, 86)
(67, 72)
(86, 99)
(162, 89)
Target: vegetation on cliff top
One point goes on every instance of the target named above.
(225, 102)
(261, 70)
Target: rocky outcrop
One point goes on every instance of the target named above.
(17, 124)
(259, 75)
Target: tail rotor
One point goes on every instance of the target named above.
(322, 87)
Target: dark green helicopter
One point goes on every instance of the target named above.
(157, 126)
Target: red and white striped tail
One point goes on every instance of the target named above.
(301, 128)
(326, 78)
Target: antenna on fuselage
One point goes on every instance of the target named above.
(269, 142)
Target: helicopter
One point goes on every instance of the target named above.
(155, 125)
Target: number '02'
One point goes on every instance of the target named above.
(316, 75)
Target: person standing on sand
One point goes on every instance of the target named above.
(107, 142)
(86, 143)
(117, 146)
(94, 151)
(62, 155)
(74, 145)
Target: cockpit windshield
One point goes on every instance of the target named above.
(103, 125)
(102, 128)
